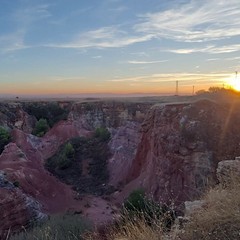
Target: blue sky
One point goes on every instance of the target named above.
(117, 46)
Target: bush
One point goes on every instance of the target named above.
(52, 112)
(63, 227)
(5, 138)
(103, 134)
(41, 127)
(63, 159)
(69, 150)
(63, 162)
(139, 206)
(141, 219)
(135, 201)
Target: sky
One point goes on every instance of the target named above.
(117, 46)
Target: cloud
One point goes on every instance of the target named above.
(196, 21)
(65, 79)
(106, 37)
(213, 59)
(30, 14)
(97, 57)
(209, 49)
(12, 42)
(23, 19)
(146, 62)
(181, 77)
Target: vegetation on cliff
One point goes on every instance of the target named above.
(52, 112)
(41, 127)
(82, 163)
(139, 206)
(61, 227)
(218, 219)
(5, 138)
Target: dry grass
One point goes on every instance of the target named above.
(136, 229)
(220, 218)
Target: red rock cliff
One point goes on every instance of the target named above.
(180, 147)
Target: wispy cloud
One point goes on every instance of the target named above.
(118, 9)
(146, 62)
(181, 77)
(106, 37)
(97, 57)
(65, 79)
(12, 42)
(23, 18)
(196, 21)
(29, 14)
(140, 54)
(209, 49)
(213, 59)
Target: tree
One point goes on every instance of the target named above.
(4, 138)
(69, 150)
(201, 91)
(41, 127)
(103, 134)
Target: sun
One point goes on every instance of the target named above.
(234, 82)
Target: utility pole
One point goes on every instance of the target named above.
(176, 94)
(193, 90)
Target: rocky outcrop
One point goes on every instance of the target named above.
(123, 120)
(23, 163)
(180, 147)
(109, 114)
(16, 208)
(12, 116)
(228, 171)
(123, 145)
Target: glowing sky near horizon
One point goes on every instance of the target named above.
(117, 46)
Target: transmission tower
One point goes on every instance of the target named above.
(176, 93)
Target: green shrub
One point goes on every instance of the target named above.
(63, 159)
(103, 134)
(63, 227)
(69, 150)
(52, 112)
(5, 138)
(135, 201)
(41, 127)
(138, 206)
(63, 162)
(82, 163)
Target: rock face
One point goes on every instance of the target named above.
(107, 114)
(13, 116)
(123, 120)
(228, 170)
(23, 160)
(17, 209)
(123, 145)
(180, 147)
